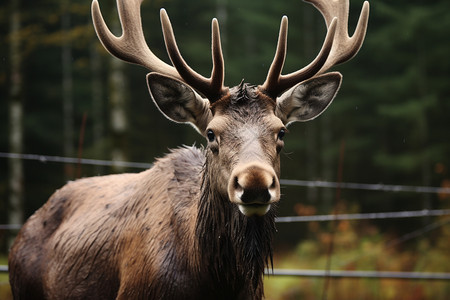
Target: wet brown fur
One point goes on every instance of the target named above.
(169, 232)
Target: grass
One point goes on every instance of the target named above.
(5, 290)
(368, 250)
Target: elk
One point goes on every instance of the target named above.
(199, 224)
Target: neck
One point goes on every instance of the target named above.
(234, 248)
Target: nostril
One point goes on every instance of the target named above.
(237, 186)
(272, 186)
(265, 197)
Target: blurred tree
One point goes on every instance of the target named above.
(16, 176)
(118, 102)
(67, 85)
(98, 119)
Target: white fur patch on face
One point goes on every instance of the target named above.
(254, 209)
(251, 148)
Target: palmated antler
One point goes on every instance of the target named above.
(337, 48)
(132, 47)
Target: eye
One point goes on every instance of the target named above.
(281, 134)
(210, 135)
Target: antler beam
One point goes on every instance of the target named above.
(344, 47)
(132, 47)
(337, 48)
(211, 87)
(276, 83)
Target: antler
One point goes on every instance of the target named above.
(344, 47)
(276, 83)
(211, 87)
(337, 48)
(132, 47)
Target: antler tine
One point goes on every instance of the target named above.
(344, 47)
(130, 46)
(218, 70)
(280, 55)
(337, 48)
(276, 83)
(212, 87)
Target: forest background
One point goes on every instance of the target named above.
(62, 94)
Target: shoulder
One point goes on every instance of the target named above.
(182, 169)
(183, 159)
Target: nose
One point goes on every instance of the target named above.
(251, 195)
(254, 187)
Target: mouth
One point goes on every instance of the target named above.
(254, 209)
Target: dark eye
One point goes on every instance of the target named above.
(281, 134)
(210, 135)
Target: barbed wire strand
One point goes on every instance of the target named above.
(73, 160)
(359, 274)
(325, 218)
(366, 216)
(366, 186)
(287, 182)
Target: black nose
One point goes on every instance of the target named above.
(255, 196)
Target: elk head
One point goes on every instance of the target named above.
(244, 125)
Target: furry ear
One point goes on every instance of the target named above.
(178, 102)
(308, 99)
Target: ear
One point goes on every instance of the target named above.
(308, 99)
(178, 102)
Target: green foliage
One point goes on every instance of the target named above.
(388, 124)
(364, 248)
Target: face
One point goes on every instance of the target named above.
(245, 131)
(244, 141)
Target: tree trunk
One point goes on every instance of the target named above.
(311, 138)
(16, 196)
(118, 117)
(97, 104)
(67, 88)
(328, 161)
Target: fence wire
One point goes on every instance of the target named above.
(292, 219)
(366, 186)
(288, 182)
(73, 160)
(366, 216)
(359, 274)
(343, 274)
(325, 218)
